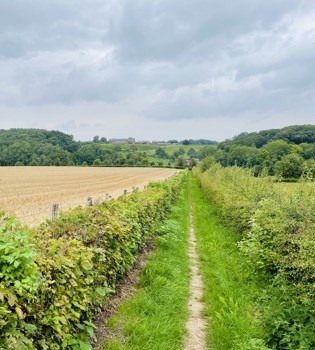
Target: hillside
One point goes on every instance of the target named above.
(24, 147)
(296, 134)
(287, 153)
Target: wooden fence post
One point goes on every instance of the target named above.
(125, 192)
(55, 213)
(89, 202)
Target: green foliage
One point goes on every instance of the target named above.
(160, 152)
(295, 134)
(290, 166)
(230, 287)
(55, 278)
(278, 237)
(279, 151)
(19, 283)
(154, 317)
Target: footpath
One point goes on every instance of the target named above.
(164, 310)
(196, 335)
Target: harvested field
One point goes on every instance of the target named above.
(28, 192)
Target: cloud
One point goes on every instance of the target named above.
(159, 60)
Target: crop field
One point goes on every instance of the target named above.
(29, 192)
(150, 149)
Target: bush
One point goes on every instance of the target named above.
(55, 278)
(278, 237)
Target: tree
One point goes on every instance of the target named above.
(243, 156)
(178, 153)
(192, 153)
(103, 140)
(96, 139)
(185, 142)
(181, 161)
(290, 166)
(97, 162)
(160, 153)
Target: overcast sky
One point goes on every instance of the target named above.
(157, 69)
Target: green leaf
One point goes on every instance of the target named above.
(85, 346)
(101, 291)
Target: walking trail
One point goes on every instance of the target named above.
(196, 335)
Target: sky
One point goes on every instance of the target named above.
(157, 69)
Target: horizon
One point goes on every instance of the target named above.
(160, 140)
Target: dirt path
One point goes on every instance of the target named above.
(196, 336)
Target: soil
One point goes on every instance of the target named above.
(196, 335)
(126, 289)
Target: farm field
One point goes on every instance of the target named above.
(150, 149)
(28, 192)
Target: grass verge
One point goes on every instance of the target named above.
(230, 287)
(154, 317)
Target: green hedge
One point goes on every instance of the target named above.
(277, 234)
(55, 278)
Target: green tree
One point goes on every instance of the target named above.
(290, 166)
(161, 153)
(97, 162)
(181, 161)
(243, 156)
(192, 153)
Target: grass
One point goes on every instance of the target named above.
(154, 318)
(230, 290)
(150, 149)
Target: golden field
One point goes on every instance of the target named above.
(29, 192)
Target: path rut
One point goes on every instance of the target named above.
(196, 335)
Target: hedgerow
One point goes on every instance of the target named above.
(55, 278)
(277, 234)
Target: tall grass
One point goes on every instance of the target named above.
(277, 235)
(230, 289)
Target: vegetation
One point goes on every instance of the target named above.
(230, 287)
(277, 236)
(287, 153)
(154, 318)
(56, 277)
(35, 147)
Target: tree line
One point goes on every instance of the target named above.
(287, 153)
(34, 147)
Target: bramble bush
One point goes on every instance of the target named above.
(278, 237)
(55, 278)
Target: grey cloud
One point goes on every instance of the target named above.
(160, 59)
(162, 30)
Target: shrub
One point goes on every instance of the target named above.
(55, 278)
(278, 237)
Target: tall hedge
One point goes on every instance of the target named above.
(55, 278)
(277, 234)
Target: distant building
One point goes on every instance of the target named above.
(130, 140)
(144, 142)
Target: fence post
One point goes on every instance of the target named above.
(125, 192)
(89, 202)
(107, 196)
(55, 213)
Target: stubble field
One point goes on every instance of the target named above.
(29, 192)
